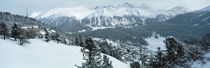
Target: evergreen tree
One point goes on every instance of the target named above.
(47, 35)
(135, 65)
(91, 55)
(15, 32)
(4, 30)
(77, 42)
(22, 37)
(106, 62)
(57, 37)
(175, 53)
(160, 59)
(171, 45)
(81, 41)
(180, 51)
(173, 56)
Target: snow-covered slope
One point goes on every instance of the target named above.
(155, 41)
(35, 14)
(40, 54)
(204, 9)
(174, 11)
(78, 12)
(199, 64)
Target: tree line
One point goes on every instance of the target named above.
(177, 54)
(16, 32)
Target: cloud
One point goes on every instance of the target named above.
(166, 4)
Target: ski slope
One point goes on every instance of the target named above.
(40, 54)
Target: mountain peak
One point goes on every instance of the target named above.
(78, 12)
(205, 9)
(179, 8)
(35, 14)
(106, 6)
(127, 5)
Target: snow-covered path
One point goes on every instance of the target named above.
(40, 54)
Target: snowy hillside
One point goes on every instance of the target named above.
(40, 54)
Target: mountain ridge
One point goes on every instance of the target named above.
(108, 16)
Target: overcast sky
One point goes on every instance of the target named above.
(19, 6)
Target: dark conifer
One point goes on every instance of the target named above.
(15, 32)
(4, 30)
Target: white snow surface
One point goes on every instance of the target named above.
(98, 28)
(35, 14)
(79, 12)
(154, 43)
(82, 30)
(40, 54)
(201, 65)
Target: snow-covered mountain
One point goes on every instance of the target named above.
(107, 16)
(204, 9)
(78, 12)
(82, 12)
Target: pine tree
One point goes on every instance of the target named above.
(175, 53)
(47, 35)
(4, 30)
(135, 65)
(21, 37)
(15, 32)
(160, 58)
(171, 45)
(106, 62)
(81, 41)
(91, 55)
(180, 51)
(77, 41)
(57, 37)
